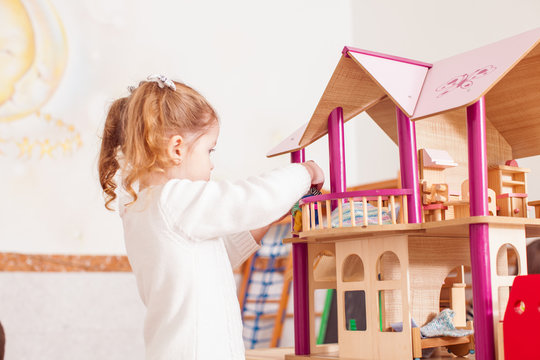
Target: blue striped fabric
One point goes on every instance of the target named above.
(359, 214)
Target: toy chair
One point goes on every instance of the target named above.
(433, 197)
(461, 207)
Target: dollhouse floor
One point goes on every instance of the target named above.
(456, 227)
(279, 354)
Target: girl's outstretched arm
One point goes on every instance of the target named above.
(204, 210)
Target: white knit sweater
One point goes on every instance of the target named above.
(183, 238)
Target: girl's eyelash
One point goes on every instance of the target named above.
(212, 150)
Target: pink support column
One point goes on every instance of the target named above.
(409, 164)
(479, 233)
(300, 286)
(336, 145)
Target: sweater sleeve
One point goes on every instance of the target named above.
(239, 247)
(209, 209)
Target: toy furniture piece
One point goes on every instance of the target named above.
(461, 207)
(536, 205)
(434, 189)
(521, 330)
(455, 299)
(434, 193)
(432, 165)
(459, 346)
(434, 212)
(396, 269)
(510, 184)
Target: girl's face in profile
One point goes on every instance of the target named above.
(196, 162)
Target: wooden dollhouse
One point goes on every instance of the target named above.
(462, 203)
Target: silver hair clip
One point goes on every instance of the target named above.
(162, 81)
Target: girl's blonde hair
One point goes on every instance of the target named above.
(137, 129)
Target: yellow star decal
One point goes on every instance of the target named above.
(46, 148)
(66, 146)
(78, 140)
(25, 147)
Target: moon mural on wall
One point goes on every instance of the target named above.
(33, 58)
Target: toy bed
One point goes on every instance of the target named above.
(358, 209)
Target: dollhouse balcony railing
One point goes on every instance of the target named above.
(378, 207)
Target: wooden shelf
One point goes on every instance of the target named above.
(510, 169)
(512, 182)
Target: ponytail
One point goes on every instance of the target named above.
(137, 129)
(111, 143)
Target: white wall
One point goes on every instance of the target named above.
(429, 31)
(263, 65)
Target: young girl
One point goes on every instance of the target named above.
(185, 233)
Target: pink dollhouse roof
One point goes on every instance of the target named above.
(507, 73)
(290, 144)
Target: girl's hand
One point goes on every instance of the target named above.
(317, 180)
(317, 175)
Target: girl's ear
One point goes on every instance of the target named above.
(174, 148)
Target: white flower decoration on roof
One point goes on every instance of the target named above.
(162, 81)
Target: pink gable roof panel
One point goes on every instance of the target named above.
(462, 79)
(401, 80)
(290, 144)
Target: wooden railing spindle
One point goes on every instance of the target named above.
(404, 210)
(305, 217)
(340, 213)
(328, 214)
(364, 210)
(379, 210)
(393, 204)
(312, 214)
(353, 217)
(319, 213)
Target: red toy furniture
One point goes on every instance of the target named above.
(522, 319)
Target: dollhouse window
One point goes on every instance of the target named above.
(355, 310)
(390, 311)
(324, 266)
(325, 311)
(508, 261)
(353, 269)
(388, 267)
